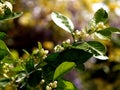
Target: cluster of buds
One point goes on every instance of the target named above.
(44, 53)
(6, 67)
(58, 48)
(5, 5)
(2, 7)
(96, 27)
(50, 86)
(67, 41)
(80, 35)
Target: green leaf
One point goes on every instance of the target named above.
(52, 57)
(4, 82)
(3, 53)
(96, 48)
(76, 55)
(107, 32)
(62, 21)
(30, 65)
(8, 60)
(80, 67)
(11, 16)
(39, 45)
(18, 69)
(63, 68)
(3, 50)
(101, 16)
(65, 85)
(34, 78)
(113, 30)
(3, 45)
(2, 35)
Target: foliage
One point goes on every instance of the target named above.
(47, 71)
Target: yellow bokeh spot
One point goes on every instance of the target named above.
(115, 55)
(26, 19)
(48, 45)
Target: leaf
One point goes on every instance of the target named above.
(63, 68)
(30, 65)
(3, 50)
(96, 48)
(106, 33)
(8, 60)
(4, 82)
(62, 21)
(34, 78)
(76, 55)
(101, 16)
(80, 67)
(3, 45)
(52, 57)
(18, 69)
(2, 35)
(65, 85)
(113, 30)
(11, 16)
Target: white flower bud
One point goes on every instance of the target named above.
(42, 81)
(46, 51)
(48, 88)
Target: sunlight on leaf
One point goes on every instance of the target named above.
(63, 68)
(62, 21)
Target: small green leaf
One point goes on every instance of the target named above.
(11, 16)
(18, 69)
(3, 53)
(63, 68)
(3, 50)
(39, 45)
(4, 82)
(2, 35)
(3, 45)
(34, 78)
(62, 21)
(65, 85)
(101, 16)
(106, 33)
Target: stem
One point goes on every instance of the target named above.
(73, 36)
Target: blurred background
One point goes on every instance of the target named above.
(36, 25)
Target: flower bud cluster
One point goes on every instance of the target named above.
(6, 67)
(67, 41)
(44, 53)
(80, 34)
(58, 48)
(96, 27)
(2, 9)
(50, 86)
